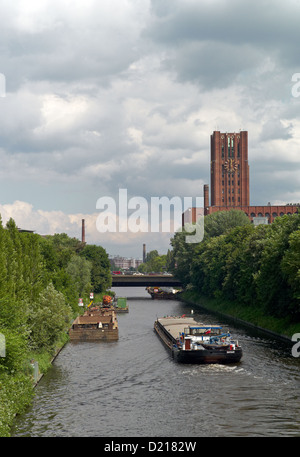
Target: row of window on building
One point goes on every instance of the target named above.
(268, 214)
(232, 183)
(231, 150)
(231, 199)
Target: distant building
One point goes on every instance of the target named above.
(124, 263)
(229, 181)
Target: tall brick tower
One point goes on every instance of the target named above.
(229, 169)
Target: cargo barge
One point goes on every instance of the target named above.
(163, 293)
(94, 325)
(192, 342)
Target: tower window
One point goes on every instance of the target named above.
(228, 149)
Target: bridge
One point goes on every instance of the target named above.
(144, 281)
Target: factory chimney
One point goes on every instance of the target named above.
(144, 253)
(83, 231)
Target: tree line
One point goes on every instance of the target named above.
(41, 280)
(237, 261)
(155, 263)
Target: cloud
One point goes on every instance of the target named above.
(128, 236)
(116, 94)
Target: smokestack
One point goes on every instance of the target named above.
(206, 198)
(83, 231)
(144, 253)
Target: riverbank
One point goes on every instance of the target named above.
(17, 390)
(247, 315)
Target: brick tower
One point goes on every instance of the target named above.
(229, 169)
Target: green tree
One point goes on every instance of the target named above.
(273, 289)
(79, 270)
(100, 267)
(220, 222)
(151, 255)
(180, 259)
(49, 316)
(290, 264)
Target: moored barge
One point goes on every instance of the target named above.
(163, 293)
(94, 325)
(193, 342)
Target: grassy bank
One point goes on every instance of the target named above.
(248, 314)
(17, 390)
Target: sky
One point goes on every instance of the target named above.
(102, 95)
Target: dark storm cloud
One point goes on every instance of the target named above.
(213, 42)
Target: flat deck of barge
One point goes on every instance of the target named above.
(176, 325)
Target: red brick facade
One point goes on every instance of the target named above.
(229, 171)
(229, 177)
(271, 212)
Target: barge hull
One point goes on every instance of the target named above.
(207, 356)
(93, 335)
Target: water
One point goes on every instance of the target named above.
(132, 387)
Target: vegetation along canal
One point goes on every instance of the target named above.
(132, 387)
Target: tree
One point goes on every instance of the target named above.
(49, 316)
(79, 270)
(273, 289)
(220, 222)
(100, 267)
(290, 264)
(180, 259)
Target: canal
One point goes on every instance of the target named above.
(132, 387)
